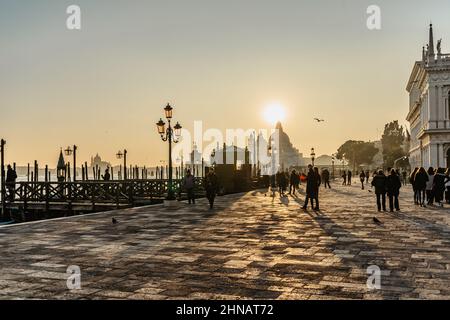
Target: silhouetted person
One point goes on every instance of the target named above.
(316, 191)
(393, 185)
(326, 178)
(412, 177)
(439, 185)
(282, 182)
(10, 181)
(211, 187)
(106, 176)
(420, 184)
(344, 176)
(379, 182)
(367, 176)
(349, 178)
(311, 186)
(189, 186)
(293, 182)
(447, 185)
(429, 186)
(362, 177)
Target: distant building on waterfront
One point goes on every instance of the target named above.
(429, 107)
(97, 161)
(289, 156)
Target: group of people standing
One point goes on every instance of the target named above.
(389, 185)
(210, 184)
(430, 186)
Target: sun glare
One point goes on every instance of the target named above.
(274, 112)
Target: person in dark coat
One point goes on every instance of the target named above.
(367, 176)
(439, 186)
(211, 187)
(411, 180)
(326, 178)
(11, 177)
(107, 175)
(379, 182)
(311, 187)
(393, 185)
(316, 191)
(344, 176)
(420, 185)
(349, 178)
(362, 177)
(294, 180)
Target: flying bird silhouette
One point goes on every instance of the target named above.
(319, 120)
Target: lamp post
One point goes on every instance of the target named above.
(397, 160)
(313, 156)
(69, 152)
(171, 135)
(120, 155)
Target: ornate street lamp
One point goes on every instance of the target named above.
(172, 135)
(69, 152)
(120, 155)
(313, 156)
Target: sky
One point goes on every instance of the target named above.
(104, 87)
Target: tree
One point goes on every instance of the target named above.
(392, 142)
(357, 152)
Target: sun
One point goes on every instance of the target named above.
(274, 112)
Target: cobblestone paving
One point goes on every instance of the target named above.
(250, 246)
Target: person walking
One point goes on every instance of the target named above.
(411, 181)
(367, 176)
(326, 178)
(10, 181)
(293, 182)
(211, 187)
(362, 177)
(379, 182)
(316, 191)
(447, 185)
(420, 184)
(439, 186)
(311, 186)
(349, 178)
(393, 185)
(189, 185)
(429, 186)
(344, 176)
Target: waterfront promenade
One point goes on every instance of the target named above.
(250, 246)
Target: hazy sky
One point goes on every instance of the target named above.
(104, 87)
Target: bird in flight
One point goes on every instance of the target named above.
(319, 120)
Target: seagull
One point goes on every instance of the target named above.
(376, 220)
(319, 120)
(114, 221)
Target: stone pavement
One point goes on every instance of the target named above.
(250, 246)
